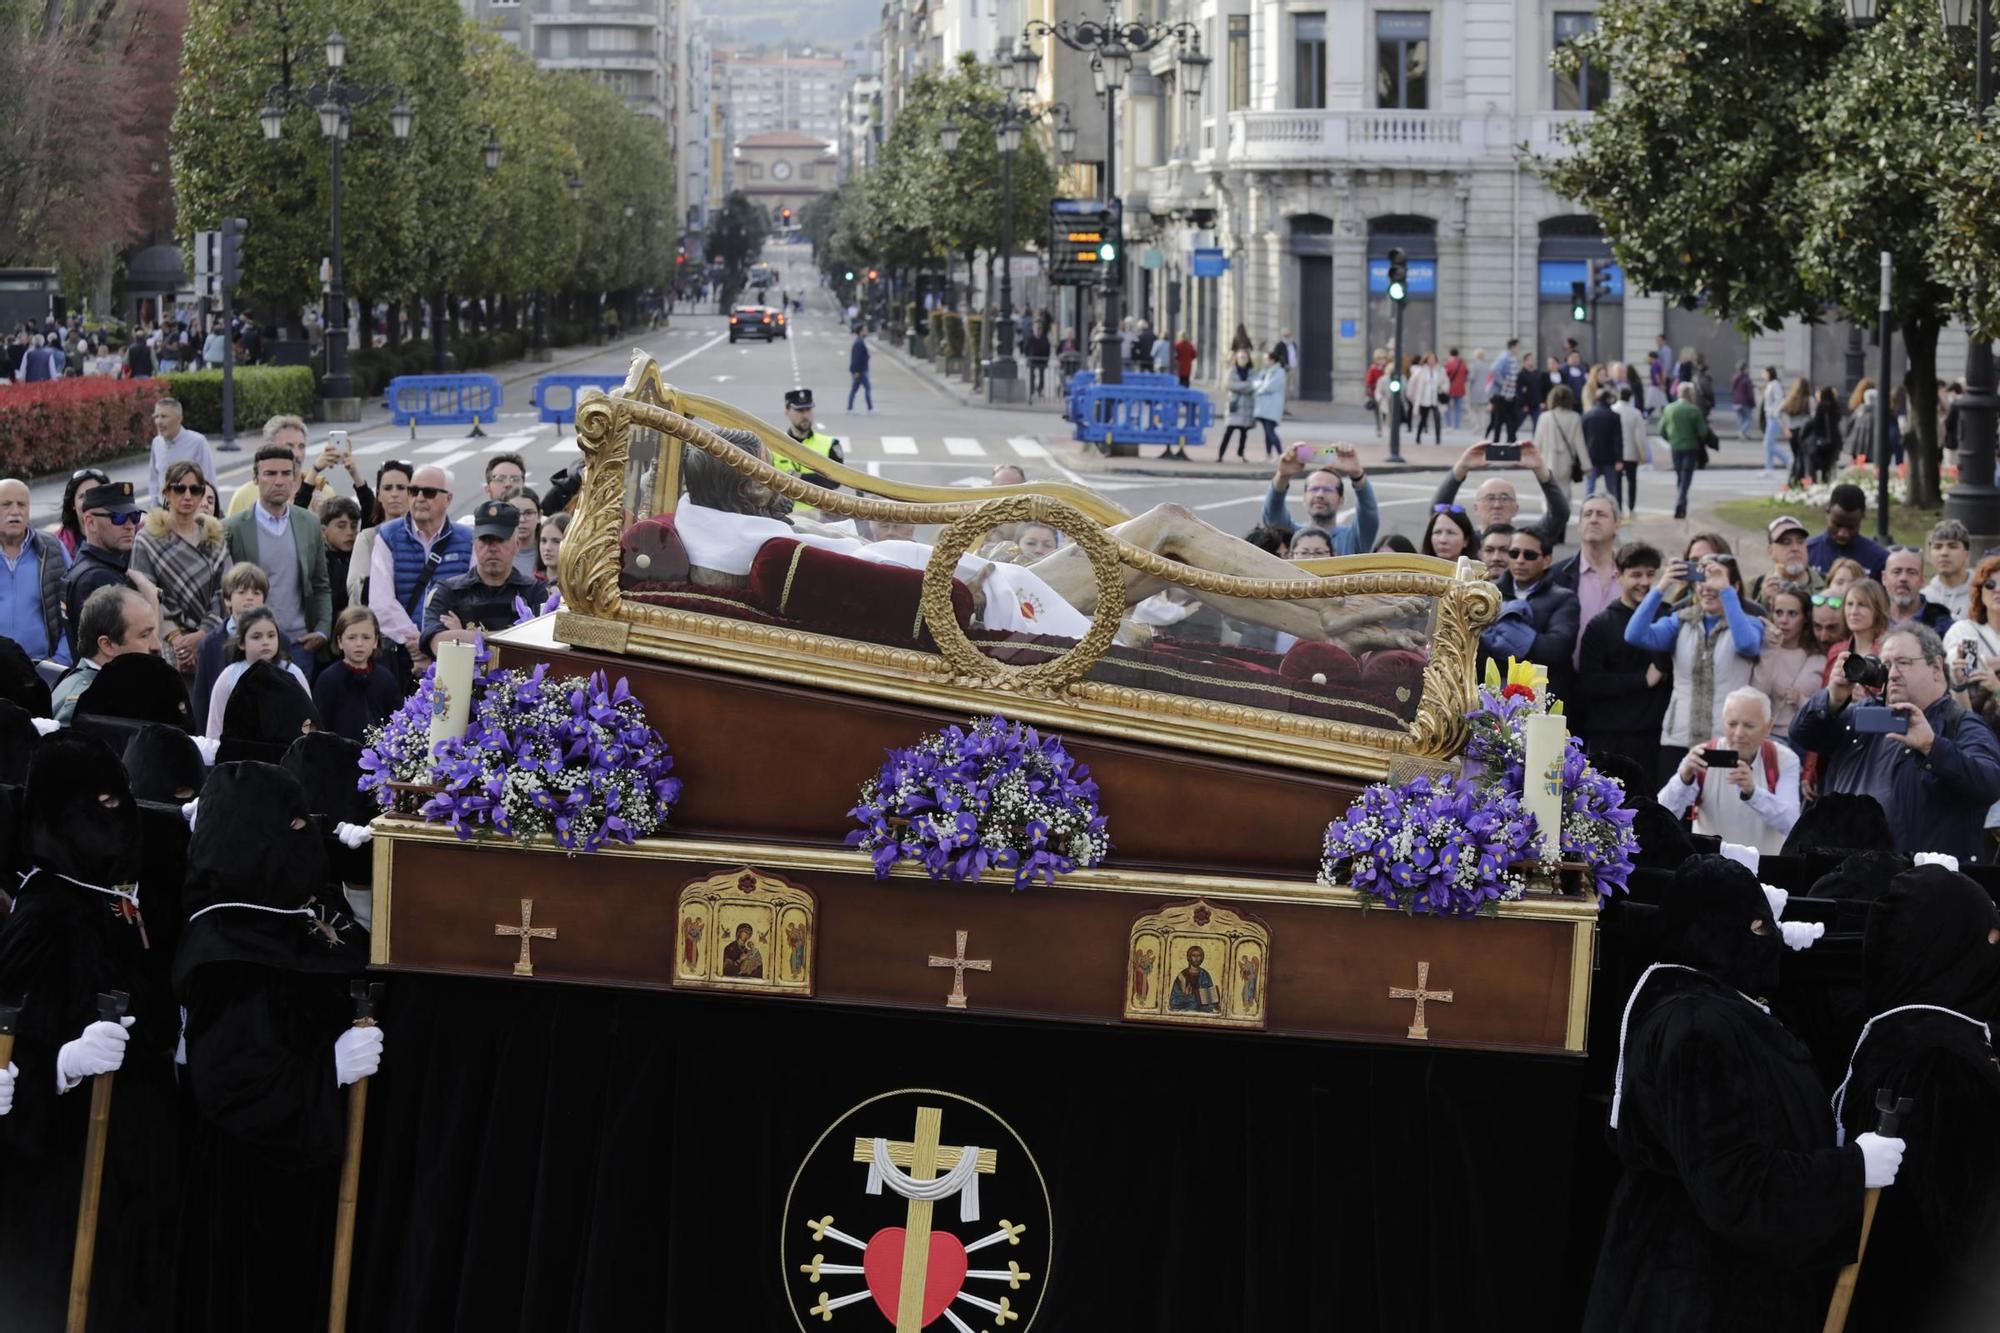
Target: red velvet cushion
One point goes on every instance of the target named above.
(1305, 660)
(840, 594)
(654, 539)
(1396, 671)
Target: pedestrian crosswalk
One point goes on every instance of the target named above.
(942, 448)
(447, 449)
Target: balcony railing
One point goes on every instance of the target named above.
(1387, 138)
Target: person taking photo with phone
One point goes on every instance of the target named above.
(1935, 773)
(1742, 786)
(1325, 487)
(1715, 641)
(1496, 501)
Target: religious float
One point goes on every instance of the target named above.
(1181, 1001)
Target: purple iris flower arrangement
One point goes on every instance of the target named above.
(1431, 847)
(571, 759)
(996, 795)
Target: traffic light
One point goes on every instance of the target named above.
(786, 214)
(850, 275)
(874, 274)
(1600, 280)
(233, 231)
(1399, 278)
(680, 258)
(1395, 380)
(1579, 304)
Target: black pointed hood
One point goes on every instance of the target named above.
(1927, 944)
(267, 707)
(1707, 921)
(163, 764)
(328, 768)
(79, 813)
(141, 687)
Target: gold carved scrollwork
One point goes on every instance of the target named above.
(965, 659)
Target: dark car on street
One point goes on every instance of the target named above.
(756, 321)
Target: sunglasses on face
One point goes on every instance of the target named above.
(132, 519)
(1991, 585)
(92, 473)
(428, 492)
(1833, 600)
(1447, 509)
(1520, 553)
(185, 488)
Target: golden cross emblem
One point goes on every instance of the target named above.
(524, 966)
(1418, 1032)
(958, 964)
(924, 1157)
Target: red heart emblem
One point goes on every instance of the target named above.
(883, 1267)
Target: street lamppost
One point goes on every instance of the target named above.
(335, 101)
(1003, 374)
(1111, 43)
(1975, 501)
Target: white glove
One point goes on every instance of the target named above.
(357, 1054)
(1801, 934)
(46, 725)
(208, 745)
(99, 1049)
(353, 835)
(7, 1077)
(1881, 1159)
(1945, 859)
(1777, 898)
(1747, 857)
(189, 810)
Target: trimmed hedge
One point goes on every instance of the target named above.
(58, 425)
(262, 392)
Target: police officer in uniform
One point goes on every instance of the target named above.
(483, 599)
(799, 418)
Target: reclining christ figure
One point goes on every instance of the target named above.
(727, 516)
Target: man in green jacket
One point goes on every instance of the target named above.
(285, 541)
(1683, 424)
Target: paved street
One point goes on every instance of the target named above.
(922, 430)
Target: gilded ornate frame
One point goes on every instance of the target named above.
(598, 616)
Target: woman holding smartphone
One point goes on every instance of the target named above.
(1715, 642)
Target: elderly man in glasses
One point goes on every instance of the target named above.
(111, 517)
(413, 556)
(1936, 776)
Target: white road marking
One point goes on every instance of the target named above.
(1026, 447)
(960, 447)
(449, 459)
(1224, 504)
(899, 444)
(697, 352)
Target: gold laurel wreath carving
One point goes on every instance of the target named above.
(966, 661)
(590, 567)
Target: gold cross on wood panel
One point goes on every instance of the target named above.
(524, 966)
(1418, 1032)
(958, 964)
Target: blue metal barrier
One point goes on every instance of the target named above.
(1116, 415)
(1083, 380)
(444, 400)
(556, 395)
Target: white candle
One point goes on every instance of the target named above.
(454, 678)
(1547, 739)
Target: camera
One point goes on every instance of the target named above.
(1866, 672)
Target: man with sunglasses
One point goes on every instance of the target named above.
(414, 554)
(111, 519)
(1538, 616)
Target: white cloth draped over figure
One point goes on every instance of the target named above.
(1017, 599)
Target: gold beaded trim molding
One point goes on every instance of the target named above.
(589, 569)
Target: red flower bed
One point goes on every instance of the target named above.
(62, 424)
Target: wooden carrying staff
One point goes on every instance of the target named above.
(366, 996)
(1892, 1109)
(111, 1006)
(10, 1016)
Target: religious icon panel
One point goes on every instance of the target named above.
(1198, 963)
(745, 930)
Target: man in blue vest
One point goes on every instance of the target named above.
(414, 555)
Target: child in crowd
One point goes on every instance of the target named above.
(244, 586)
(356, 692)
(255, 639)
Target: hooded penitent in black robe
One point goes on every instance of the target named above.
(1735, 1210)
(163, 764)
(63, 945)
(328, 768)
(1933, 1263)
(264, 976)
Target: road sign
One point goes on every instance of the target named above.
(1209, 262)
(1151, 258)
(1083, 241)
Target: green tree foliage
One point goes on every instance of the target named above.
(737, 236)
(423, 214)
(1756, 159)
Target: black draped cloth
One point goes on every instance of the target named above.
(544, 1157)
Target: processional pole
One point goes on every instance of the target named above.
(366, 996)
(1892, 1110)
(111, 1007)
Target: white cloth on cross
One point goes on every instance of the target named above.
(962, 1180)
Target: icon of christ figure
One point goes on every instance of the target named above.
(1194, 989)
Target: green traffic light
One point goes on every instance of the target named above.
(1395, 384)
(1396, 292)
(1108, 251)
(850, 275)
(1579, 314)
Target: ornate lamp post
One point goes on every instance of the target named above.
(334, 101)
(1975, 501)
(1003, 375)
(1111, 42)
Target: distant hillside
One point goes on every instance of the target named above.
(837, 23)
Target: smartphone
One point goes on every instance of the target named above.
(1503, 453)
(1684, 570)
(1316, 453)
(1875, 720)
(1721, 759)
(338, 439)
